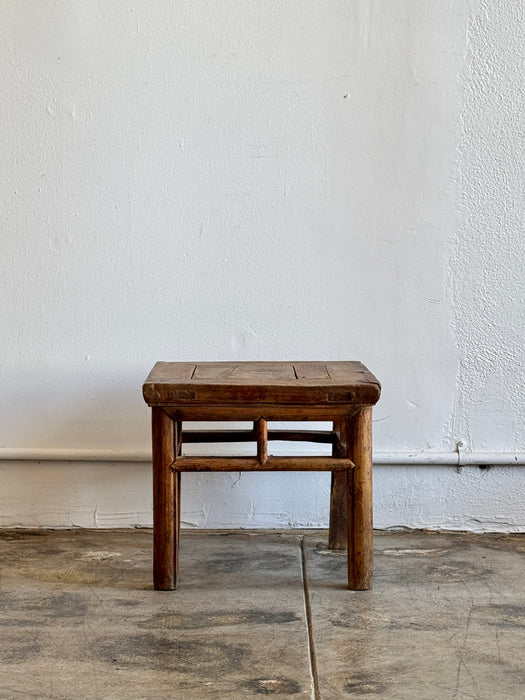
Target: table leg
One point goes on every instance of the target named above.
(166, 485)
(178, 478)
(360, 506)
(338, 531)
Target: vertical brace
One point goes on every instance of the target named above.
(261, 432)
(178, 439)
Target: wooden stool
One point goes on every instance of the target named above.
(340, 392)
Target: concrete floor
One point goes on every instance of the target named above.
(79, 618)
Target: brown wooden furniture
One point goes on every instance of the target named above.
(340, 392)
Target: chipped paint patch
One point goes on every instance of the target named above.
(412, 552)
(100, 556)
(161, 653)
(362, 684)
(502, 615)
(60, 575)
(274, 686)
(206, 620)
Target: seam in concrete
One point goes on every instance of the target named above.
(308, 613)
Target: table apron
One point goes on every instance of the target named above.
(252, 412)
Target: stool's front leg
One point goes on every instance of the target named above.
(165, 501)
(360, 505)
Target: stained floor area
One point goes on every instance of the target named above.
(260, 614)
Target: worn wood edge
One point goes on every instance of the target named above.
(201, 391)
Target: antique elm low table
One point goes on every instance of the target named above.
(340, 392)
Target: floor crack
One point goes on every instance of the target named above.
(308, 613)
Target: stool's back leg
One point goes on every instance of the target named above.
(338, 532)
(165, 500)
(360, 520)
(178, 477)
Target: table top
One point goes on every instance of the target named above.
(182, 383)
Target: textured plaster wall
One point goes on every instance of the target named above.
(261, 180)
(487, 253)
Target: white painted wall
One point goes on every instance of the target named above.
(261, 180)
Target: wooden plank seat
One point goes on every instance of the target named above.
(340, 392)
